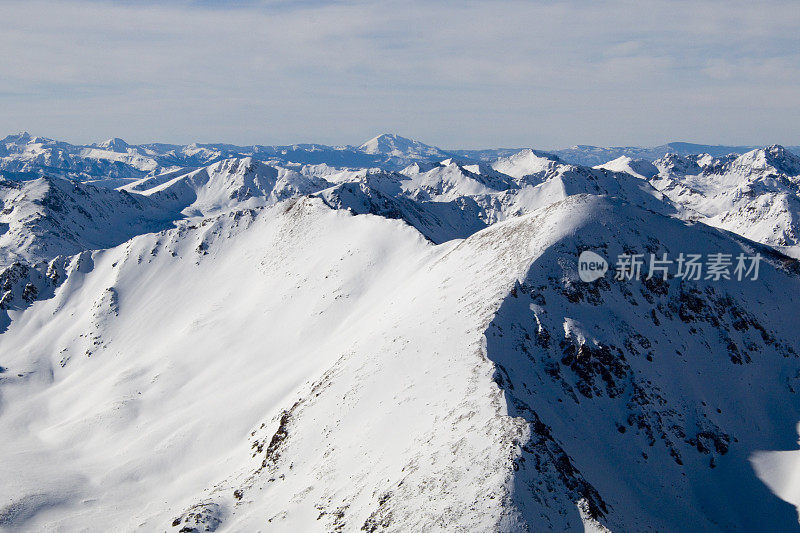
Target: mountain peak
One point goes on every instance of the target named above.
(778, 152)
(397, 146)
(114, 144)
(677, 164)
(640, 168)
(774, 158)
(525, 162)
(19, 138)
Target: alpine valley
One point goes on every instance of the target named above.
(394, 337)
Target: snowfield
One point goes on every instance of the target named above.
(394, 337)
(348, 330)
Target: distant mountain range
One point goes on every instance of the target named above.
(115, 162)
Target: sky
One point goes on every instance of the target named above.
(467, 74)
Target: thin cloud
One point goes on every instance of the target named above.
(468, 74)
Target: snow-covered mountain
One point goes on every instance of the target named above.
(114, 162)
(27, 157)
(596, 155)
(525, 163)
(46, 217)
(115, 145)
(651, 396)
(393, 338)
(641, 168)
(232, 183)
(756, 195)
(400, 147)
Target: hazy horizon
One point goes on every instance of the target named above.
(459, 75)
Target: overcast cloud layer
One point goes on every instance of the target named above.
(454, 74)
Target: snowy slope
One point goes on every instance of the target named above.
(337, 371)
(342, 329)
(647, 400)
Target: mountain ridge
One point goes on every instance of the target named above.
(25, 156)
(251, 342)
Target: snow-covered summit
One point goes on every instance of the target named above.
(114, 145)
(22, 137)
(678, 165)
(756, 194)
(641, 168)
(231, 183)
(450, 179)
(525, 163)
(774, 159)
(396, 146)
